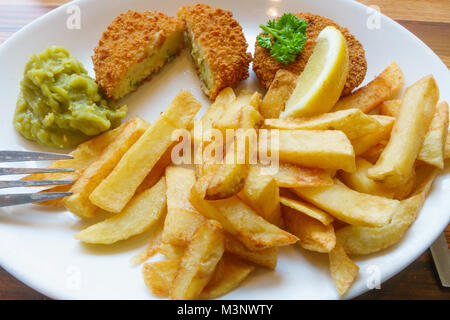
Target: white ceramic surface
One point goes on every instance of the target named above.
(37, 244)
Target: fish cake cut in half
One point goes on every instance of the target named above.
(217, 45)
(134, 46)
(265, 67)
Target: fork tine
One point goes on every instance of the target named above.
(7, 171)
(22, 198)
(12, 156)
(32, 183)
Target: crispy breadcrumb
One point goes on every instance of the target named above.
(265, 67)
(218, 47)
(135, 45)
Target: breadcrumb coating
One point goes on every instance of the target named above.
(222, 43)
(265, 67)
(126, 42)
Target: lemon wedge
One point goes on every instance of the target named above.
(320, 84)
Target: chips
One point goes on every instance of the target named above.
(182, 218)
(143, 211)
(364, 240)
(365, 143)
(307, 209)
(234, 271)
(289, 175)
(312, 234)
(375, 92)
(353, 122)
(227, 179)
(418, 107)
(262, 193)
(359, 181)
(158, 276)
(278, 94)
(198, 262)
(241, 221)
(314, 148)
(85, 154)
(390, 107)
(113, 193)
(433, 148)
(350, 206)
(343, 269)
(91, 177)
(266, 257)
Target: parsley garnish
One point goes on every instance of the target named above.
(284, 37)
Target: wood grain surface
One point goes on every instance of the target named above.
(428, 19)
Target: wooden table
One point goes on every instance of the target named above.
(428, 19)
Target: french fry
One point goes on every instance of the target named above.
(359, 181)
(158, 275)
(230, 118)
(360, 240)
(447, 146)
(228, 179)
(390, 107)
(262, 193)
(279, 92)
(375, 92)
(265, 258)
(312, 234)
(171, 251)
(152, 247)
(113, 193)
(240, 220)
(290, 175)
(307, 209)
(397, 160)
(79, 203)
(182, 218)
(157, 171)
(433, 148)
(353, 122)
(313, 148)
(85, 154)
(364, 143)
(214, 112)
(343, 270)
(374, 152)
(143, 211)
(350, 206)
(234, 271)
(198, 262)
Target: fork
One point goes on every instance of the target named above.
(22, 198)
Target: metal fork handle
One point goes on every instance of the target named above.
(32, 183)
(8, 171)
(22, 198)
(13, 156)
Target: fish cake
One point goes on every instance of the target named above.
(218, 47)
(134, 46)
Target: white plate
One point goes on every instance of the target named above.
(37, 244)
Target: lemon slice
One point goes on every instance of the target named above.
(320, 84)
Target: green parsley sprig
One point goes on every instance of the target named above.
(284, 37)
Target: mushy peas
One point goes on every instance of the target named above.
(59, 105)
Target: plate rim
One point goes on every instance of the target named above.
(28, 281)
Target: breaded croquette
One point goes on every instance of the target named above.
(218, 47)
(265, 67)
(134, 46)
